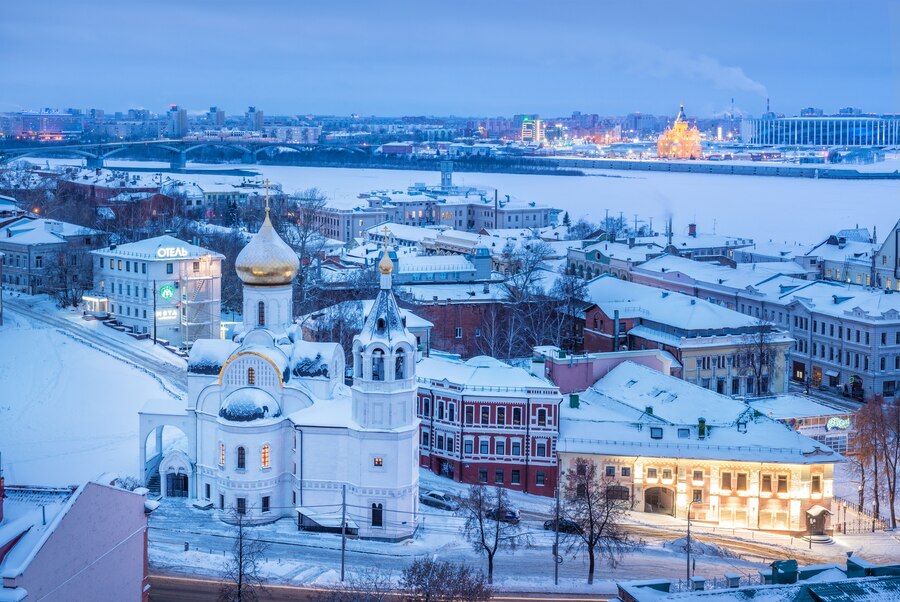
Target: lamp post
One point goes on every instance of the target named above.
(860, 490)
(688, 548)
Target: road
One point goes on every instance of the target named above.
(172, 377)
(170, 588)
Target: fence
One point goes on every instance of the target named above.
(683, 585)
(859, 518)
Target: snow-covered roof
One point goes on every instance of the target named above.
(793, 406)
(470, 293)
(27, 230)
(482, 376)
(409, 264)
(635, 410)
(623, 252)
(150, 249)
(681, 311)
(399, 232)
(741, 276)
(247, 404)
(207, 356)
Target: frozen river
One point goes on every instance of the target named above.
(766, 209)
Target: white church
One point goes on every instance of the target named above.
(271, 430)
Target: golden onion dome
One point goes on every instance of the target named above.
(267, 260)
(385, 264)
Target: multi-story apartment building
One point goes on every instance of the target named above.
(45, 256)
(670, 447)
(846, 336)
(162, 287)
(483, 421)
(714, 344)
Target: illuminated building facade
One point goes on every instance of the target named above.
(679, 141)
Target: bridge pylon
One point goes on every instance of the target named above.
(95, 162)
(249, 157)
(179, 161)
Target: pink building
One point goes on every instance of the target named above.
(574, 373)
(88, 543)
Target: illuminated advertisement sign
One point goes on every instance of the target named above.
(165, 315)
(836, 423)
(171, 252)
(167, 292)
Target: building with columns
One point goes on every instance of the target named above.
(272, 431)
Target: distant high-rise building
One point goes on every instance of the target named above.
(532, 130)
(139, 114)
(254, 119)
(176, 122)
(216, 117)
(811, 112)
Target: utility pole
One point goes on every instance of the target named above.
(343, 527)
(689, 541)
(154, 311)
(556, 544)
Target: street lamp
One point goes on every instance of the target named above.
(691, 503)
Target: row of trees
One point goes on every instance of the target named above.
(875, 453)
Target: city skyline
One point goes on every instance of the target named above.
(476, 60)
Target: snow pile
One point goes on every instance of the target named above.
(699, 548)
(248, 404)
(310, 366)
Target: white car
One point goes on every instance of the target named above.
(439, 499)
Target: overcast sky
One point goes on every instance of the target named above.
(459, 57)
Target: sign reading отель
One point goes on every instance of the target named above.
(171, 252)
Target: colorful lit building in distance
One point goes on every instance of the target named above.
(679, 141)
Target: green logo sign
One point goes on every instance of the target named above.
(167, 292)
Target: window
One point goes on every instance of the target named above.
(266, 506)
(169, 268)
(242, 505)
(698, 475)
(539, 477)
(440, 442)
(517, 416)
(610, 471)
(542, 417)
(127, 266)
(656, 432)
(485, 414)
(426, 438)
(251, 376)
(742, 481)
(449, 443)
(379, 462)
(541, 450)
(483, 447)
(500, 448)
(816, 484)
(206, 491)
(698, 496)
(221, 454)
(515, 477)
(501, 415)
(782, 483)
(196, 266)
(458, 332)
(451, 412)
(440, 410)
(516, 448)
(241, 458)
(101, 263)
(264, 457)
(626, 471)
(667, 473)
(766, 484)
(498, 476)
(482, 475)
(651, 473)
(221, 502)
(467, 446)
(261, 313)
(726, 481)
(470, 414)
(39, 261)
(377, 515)
(684, 433)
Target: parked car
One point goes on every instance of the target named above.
(439, 499)
(505, 516)
(565, 526)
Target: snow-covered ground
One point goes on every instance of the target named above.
(68, 412)
(766, 209)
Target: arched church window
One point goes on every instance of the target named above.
(377, 515)
(400, 365)
(251, 376)
(380, 324)
(261, 313)
(378, 365)
(264, 460)
(241, 458)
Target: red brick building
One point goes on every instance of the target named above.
(482, 421)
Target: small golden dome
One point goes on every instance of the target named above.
(385, 264)
(267, 260)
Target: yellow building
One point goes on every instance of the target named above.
(665, 445)
(680, 141)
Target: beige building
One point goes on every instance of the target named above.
(667, 445)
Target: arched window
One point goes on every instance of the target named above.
(251, 376)
(451, 412)
(264, 457)
(261, 313)
(241, 458)
(400, 365)
(440, 410)
(377, 515)
(378, 365)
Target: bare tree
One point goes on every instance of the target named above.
(597, 505)
(581, 229)
(568, 296)
(299, 228)
(242, 574)
(877, 448)
(489, 536)
(428, 580)
(757, 357)
(337, 323)
(499, 336)
(364, 585)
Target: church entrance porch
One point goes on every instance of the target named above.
(659, 500)
(176, 485)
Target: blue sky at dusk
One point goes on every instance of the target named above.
(451, 57)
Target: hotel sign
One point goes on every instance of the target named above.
(171, 252)
(164, 315)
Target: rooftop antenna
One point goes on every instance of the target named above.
(669, 231)
(767, 104)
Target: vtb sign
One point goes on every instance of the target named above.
(171, 252)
